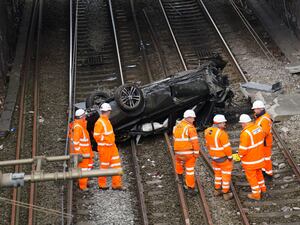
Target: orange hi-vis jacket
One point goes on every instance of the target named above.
(265, 122)
(185, 139)
(251, 147)
(218, 144)
(81, 141)
(103, 132)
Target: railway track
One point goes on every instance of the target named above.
(156, 181)
(28, 123)
(133, 64)
(96, 65)
(259, 212)
(105, 67)
(194, 33)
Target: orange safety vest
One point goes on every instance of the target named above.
(251, 147)
(103, 132)
(81, 141)
(265, 122)
(185, 139)
(218, 144)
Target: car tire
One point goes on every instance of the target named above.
(96, 98)
(130, 98)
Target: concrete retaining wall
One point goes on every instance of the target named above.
(289, 12)
(10, 12)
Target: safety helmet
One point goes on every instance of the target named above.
(219, 118)
(258, 104)
(189, 113)
(79, 113)
(244, 118)
(105, 107)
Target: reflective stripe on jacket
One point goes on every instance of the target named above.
(103, 132)
(217, 142)
(251, 147)
(265, 122)
(185, 139)
(81, 138)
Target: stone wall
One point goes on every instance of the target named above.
(10, 12)
(289, 11)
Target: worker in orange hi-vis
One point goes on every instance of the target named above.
(82, 144)
(217, 142)
(264, 120)
(252, 156)
(186, 148)
(108, 151)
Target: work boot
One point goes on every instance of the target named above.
(268, 177)
(217, 192)
(84, 190)
(119, 188)
(192, 191)
(254, 197)
(227, 196)
(180, 178)
(104, 188)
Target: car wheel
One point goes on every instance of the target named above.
(130, 98)
(96, 98)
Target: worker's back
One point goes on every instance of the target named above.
(251, 144)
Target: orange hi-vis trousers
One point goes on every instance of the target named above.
(109, 157)
(268, 162)
(83, 182)
(187, 161)
(222, 175)
(256, 181)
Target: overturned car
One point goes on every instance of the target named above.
(155, 107)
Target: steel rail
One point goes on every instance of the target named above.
(116, 41)
(141, 44)
(33, 187)
(182, 201)
(233, 190)
(173, 36)
(15, 211)
(238, 202)
(139, 183)
(223, 40)
(72, 93)
(240, 71)
(204, 204)
(156, 44)
(257, 39)
(286, 152)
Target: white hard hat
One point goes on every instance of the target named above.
(79, 113)
(219, 118)
(258, 104)
(189, 113)
(105, 107)
(244, 118)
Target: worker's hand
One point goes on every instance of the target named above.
(236, 157)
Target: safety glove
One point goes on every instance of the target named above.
(236, 157)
